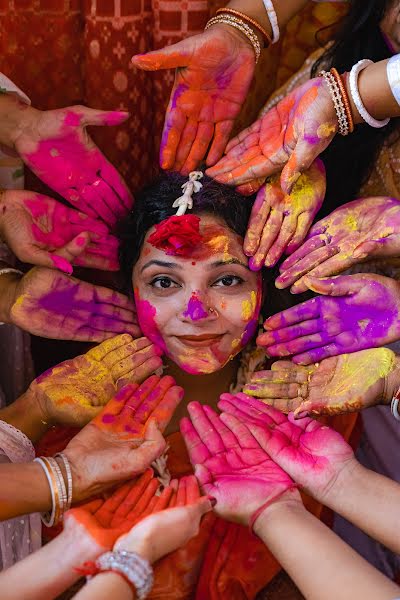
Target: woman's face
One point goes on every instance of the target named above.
(203, 309)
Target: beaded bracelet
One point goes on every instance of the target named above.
(241, 26)
(273, 19)
(355, 94)
(335, 92)
(249, 21)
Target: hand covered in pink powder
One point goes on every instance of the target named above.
(356, 312)
(311, 453)
(279, 222)
(214, 71)
(125, 438)
(230, 464)
(44, 232)
(360, 230)
(74, 391)
(341, 384)
(287, 138)
(49, 304)
(56, 146)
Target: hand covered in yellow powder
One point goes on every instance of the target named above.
(74, 391)
(364, 229)
(340, 384)
(279, 222)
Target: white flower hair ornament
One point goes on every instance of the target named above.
(189, 188)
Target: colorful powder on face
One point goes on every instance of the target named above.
(195, 309)
(248, 307)
(146, 314)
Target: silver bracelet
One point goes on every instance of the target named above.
(10, 270)
(334, 90)
(355, 94)
(69, 477)
(393, 75)
(132, 566)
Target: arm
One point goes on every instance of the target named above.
(326, 568)
(285, 10)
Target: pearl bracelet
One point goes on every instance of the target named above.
(338, 103)
(355, 94)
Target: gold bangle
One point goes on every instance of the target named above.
(241, 26)
(249, 21)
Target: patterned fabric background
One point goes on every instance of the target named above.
(63, 52)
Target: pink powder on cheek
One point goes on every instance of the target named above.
(195, 309)
(146, 314)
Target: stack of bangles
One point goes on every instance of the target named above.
(61, 490)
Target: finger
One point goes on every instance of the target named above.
(253, 409)
(273, 391)
(140, 394)
(92, 116)
(197, 450)
(254, 165)
(221, 136)
(175, 122)
(106, 510)
(199, 147)
(93, 260)
(101, 351)
(286, 334)
(332, 266)
(279, 246)
(148, 405)
(121, 322)
(225, 434)
(114, 407)
(315, 355)
(165, 409)
(301, 312)
(142, 372)
(105, 296)
(304, 222)
(164, 499)
(204, 428)
(247, 189)
(187, 138)
(192, 490)
(291, 374)
(311, 244)
(134, 360)
(259, 214)
(117, 192)
(381, 247)
(136, 501)
(342, 285)
(181, 494)
(92, 196)
(170, 57)
(301, 344)
(240, 431)
(270, 234)
(243, 135)
(126, 350)
(315, 258)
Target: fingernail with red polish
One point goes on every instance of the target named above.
(213, 501)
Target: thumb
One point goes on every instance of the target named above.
(200, 507)
(343, 285)
(92, 116)
(388, 246)
(154, 435)
(66, 255)
(300, 160)
(43, 258)
(170, 57)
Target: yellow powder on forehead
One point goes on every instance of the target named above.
(248, 307)
(219, 243)
(367, 366)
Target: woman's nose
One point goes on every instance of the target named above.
(198, 309)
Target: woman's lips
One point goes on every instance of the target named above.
(199, 341)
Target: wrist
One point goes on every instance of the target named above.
(15, 117)
(141, 545)
(8, 293)
(341, 484)
(278, 511)
(240, 38)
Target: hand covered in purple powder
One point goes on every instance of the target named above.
(311, 453)
(287, 138)
(360, 230)
(44, 232)
(279, 222)
(356, 312)
(49, 304)
(230, 465)
(340, 384)
(56, 146)
(213, 74)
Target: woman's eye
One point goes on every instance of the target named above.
(229, 281)
(163, 283)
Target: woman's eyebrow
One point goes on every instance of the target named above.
(161, 263)
(230, 261)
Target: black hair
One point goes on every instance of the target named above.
(348, 160)
(154, 204)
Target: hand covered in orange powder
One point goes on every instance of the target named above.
(214, 71)
(74, 391)
(287, 138)
(104, 521)
(279, 222)
(341, 384)
(311, 453)
(364, 229)
(58, 149)
(231, 466)
(44, 232)
(163, 531)
(51, 304)
(125, 438)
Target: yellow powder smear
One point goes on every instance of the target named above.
(303, 193)
(367, 366)
(350, 223)
(219, 243)
(248, 307)
(325, 130)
